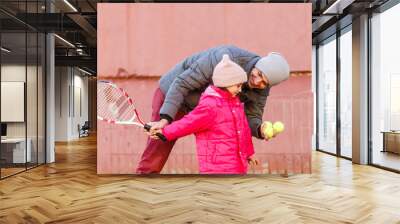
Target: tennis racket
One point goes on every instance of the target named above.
(114, 106)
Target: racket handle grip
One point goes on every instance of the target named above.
(159, 135)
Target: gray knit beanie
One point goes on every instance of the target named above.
(275, 68)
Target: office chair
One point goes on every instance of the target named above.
(84, 130)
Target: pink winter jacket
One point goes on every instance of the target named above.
(222, 133)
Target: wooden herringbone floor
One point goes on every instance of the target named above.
(69, 191)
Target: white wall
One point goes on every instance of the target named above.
(71, 93)
(79, 112)
(14, 73)
(61, 103)
(33, 127)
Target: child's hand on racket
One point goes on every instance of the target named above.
(149, 132)
(156, 126)
(159, 124)
(252, 161)
(153, 133)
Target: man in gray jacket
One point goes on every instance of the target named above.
(180, 90)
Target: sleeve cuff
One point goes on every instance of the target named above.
(255, 129)
(168, 109)
(259, 135)
(166, 117)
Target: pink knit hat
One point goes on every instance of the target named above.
(228, 73)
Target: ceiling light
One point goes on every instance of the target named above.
(64, 40)
(5, 50)
(338, 6)
(84, 71)
(70, 5)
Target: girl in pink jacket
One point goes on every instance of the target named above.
(223, 136)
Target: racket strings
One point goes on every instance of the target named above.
(114, 104)
(127, 111)
(103, 103)
(120, 101)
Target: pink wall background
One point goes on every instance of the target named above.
(137, 43)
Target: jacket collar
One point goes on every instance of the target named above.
(215, 91)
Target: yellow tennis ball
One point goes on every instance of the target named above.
(266, 125)
(267, 129)
(278, 127)
(268, 132)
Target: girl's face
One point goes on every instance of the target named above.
(235, 89)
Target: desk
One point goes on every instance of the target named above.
(16, 148)
(391, 141)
